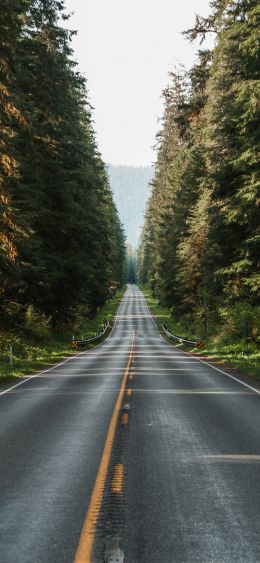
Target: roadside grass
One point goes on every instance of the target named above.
(243, 356)
(31, 354)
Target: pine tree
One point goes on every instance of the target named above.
(178, 172)
(203, 228)
(13, 225)
(232, 137)
(73, 246)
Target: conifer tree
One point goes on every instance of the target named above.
(52, 175)
(13, 225)
(231, 140)
(204, 229)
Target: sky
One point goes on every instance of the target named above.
(125, 49)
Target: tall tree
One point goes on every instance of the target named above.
(231, 140)
(204, 229)
(67, 260)
(12, 122)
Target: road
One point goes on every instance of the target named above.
(136, 441)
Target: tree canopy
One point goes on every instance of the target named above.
(62, 244)
(200, 242)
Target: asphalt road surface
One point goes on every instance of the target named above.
(134, 451)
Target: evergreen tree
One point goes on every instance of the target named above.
(12, 122)
(131, 264)
(200, 245)
(57, 184)
(231, 140)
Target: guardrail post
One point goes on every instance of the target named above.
(11, 356)
(198, 344)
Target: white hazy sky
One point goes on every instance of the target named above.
(126, 48)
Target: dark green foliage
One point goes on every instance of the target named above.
(200, 245)
(12, 122)
(68, 246)
(131, 264)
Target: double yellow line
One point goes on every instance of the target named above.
(84, 551)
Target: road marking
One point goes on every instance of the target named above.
(212, 366)
(113, 552)
(84, 551)
(160, 391)
(129, 392)
(36, 375)
(56, 392)
(77, 376)
(133, 316)
(151, 369)
(124, 419)
(88, 369)
(148, 311)
(229, 457)
(110, 353)
(118, 479)
(76, 356)
(193, 392)
(41, 373)
(176, 362)
(227, 374)
(103, 355)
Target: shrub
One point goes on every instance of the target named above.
(241, 322)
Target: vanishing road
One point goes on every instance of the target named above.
(134, 451)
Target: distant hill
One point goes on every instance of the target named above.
(130, 186)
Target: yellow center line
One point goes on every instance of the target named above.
(124, 419)
(118, 479)
(84, 550)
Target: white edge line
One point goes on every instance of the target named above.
(223, 372)
(65, 361)
(40, 373)
(228, 375)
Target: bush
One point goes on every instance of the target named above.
(37, 325)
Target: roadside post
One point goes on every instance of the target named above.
(11, 356)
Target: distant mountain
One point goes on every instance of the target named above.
(131, 189)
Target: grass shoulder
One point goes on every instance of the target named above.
(32, 353)
(242, 356)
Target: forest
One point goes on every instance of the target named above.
(200, 243)
(61, 240)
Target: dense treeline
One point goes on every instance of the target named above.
(131, 264)
(200, 242)
(62, 244)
